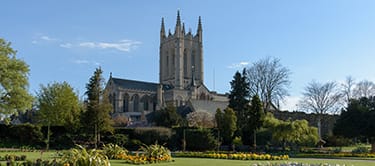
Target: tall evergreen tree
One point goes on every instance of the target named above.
(97, 118)
(239, 97)
(255, 117)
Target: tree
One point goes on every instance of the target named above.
(58, 105)
(167, 117)
(320, 99)
(364, 88)
(357, 120)
(255, 117)
(347, 89)
(296, 132)
(201, 119)
(269, 80)
(226, 124)
(13, 81)
(238, 97)
(97, 118)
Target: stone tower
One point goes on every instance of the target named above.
(181, 56)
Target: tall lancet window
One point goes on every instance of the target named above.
(173, 63)
(167, 65)
(114, 101)
(125, 103)
(135, 103)
(185, 64)
(193, 58)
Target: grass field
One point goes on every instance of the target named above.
(220, 162)
(212, 162)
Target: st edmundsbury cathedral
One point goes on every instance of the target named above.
(181, 80)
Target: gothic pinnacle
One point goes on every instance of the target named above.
(178, 18)
(162, 30)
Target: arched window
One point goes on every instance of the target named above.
(193, 59)
(135, 103)
(114, 102)
(167, 65)
(145, 100)
(125, 103)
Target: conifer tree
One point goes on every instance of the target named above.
(97, 118)
(238, 97)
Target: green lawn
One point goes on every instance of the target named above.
(221, 162)
(211, 162)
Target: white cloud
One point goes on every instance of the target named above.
(40, 39)
(47, 38)
(86, 62)
(79, 61)
(122, 45)
(87, 44)
(66, 45)
(238, 65)
(290, 103)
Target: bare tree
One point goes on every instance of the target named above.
(364, 88)
(269, 80)
(347, 89)
(320, 99)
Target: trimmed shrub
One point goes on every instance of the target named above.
(26, 134)
(150, 135)
(200, 140)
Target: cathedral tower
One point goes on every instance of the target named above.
(181, 56)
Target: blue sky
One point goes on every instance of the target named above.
(322, 40)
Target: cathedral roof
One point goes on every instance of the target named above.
(136, 85)
(207, 105)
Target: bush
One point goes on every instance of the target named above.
(333, 140)
(200, 140)
(157, 152)
(26, 134)
(360, 149)
(112, 151)
(151, 135)
(80, 156)
(149, 154)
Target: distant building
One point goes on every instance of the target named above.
(181, 79)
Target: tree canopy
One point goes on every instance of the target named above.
(58, 105)
(13, 81)
(268, 79)
(357, 120)
(226, 123)
(296, 132)
(167, 117)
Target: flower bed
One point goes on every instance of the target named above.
(12, 157)
(337, 155)
(232, 156)
(143, 159)
(149, 154)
